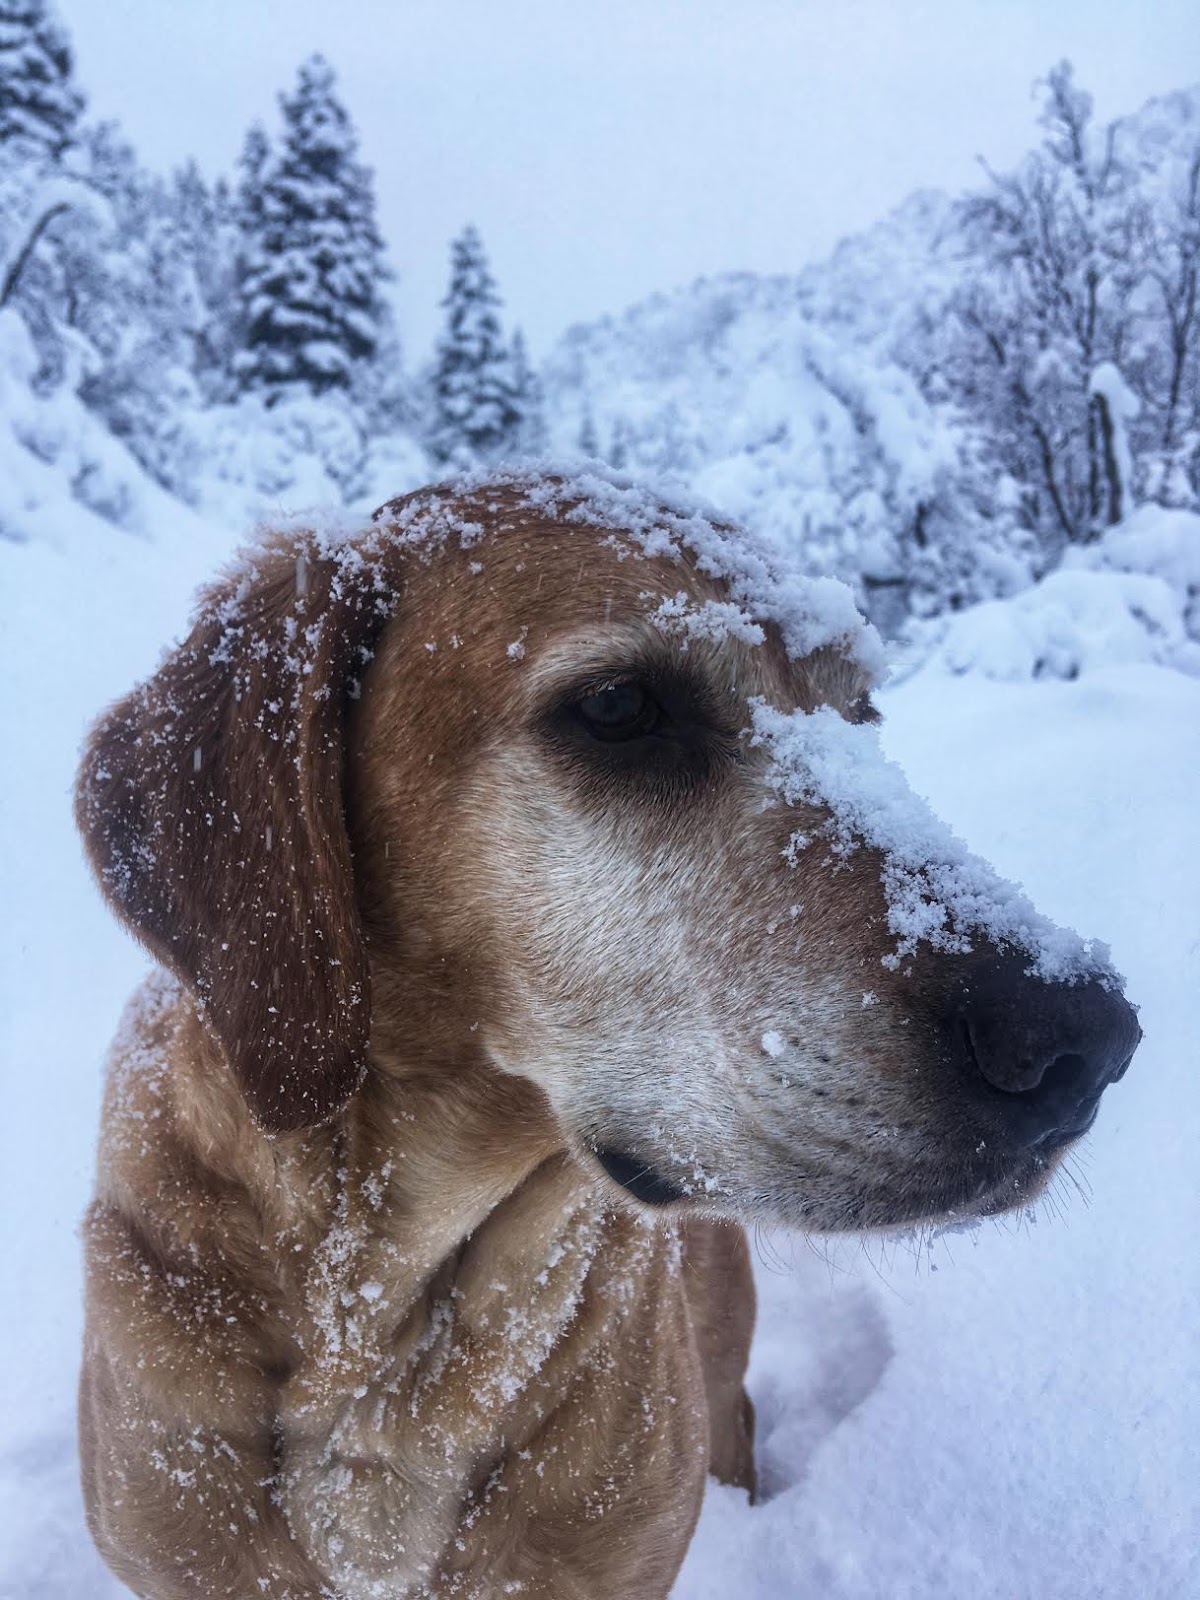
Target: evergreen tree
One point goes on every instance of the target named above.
(475, 412)
(312, 262)
(252, 165)
(246, 211)
(530, 434)
(39, 102)
(618, 450)
(39, 110)
(589, 439)
(206, 238)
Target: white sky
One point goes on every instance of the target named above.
(609, 148)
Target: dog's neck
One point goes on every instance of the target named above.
(462, 1293)
(411, 1312)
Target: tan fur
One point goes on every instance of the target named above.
(364, 1315)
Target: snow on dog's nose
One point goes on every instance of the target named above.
(1033, 1020)
(938, 893)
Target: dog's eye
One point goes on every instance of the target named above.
(619, 711)
(654, 728)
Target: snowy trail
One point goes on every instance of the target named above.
(1006, 1414)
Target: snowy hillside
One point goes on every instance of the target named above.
(918, 413)
(802, 428)
(936, 413)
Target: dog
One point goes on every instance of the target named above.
(511, 958)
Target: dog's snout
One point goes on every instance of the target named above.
(1044, 1053)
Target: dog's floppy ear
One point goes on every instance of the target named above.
(211, 803)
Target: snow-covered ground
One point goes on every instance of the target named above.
(1005, 1414)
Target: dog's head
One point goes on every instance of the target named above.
(583, 785)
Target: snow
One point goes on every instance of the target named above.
(936, 889)
(87, 611)
(1068, 623)
(664, 519)
(1133, 596)
(818, 439)
(63, 472)
(1108, 384)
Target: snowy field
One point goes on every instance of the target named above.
(1006, 1414)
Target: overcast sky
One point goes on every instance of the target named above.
(608, 148)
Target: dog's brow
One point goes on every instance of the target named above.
(595, 648)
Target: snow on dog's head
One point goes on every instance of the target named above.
(620, 826)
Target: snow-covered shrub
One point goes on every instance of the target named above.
(58, 461)
(1132, 597)
(250, 457)
(1159, 541)
(1068, 623)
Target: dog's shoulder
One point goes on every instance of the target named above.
(192, 1232)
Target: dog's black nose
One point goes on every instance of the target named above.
(1045, 1051)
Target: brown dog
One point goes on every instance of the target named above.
(500, 972)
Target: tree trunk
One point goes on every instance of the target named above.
(1112, 507)
(13, 276)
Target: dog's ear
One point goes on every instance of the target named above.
(212, 807)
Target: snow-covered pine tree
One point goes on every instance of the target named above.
(246, 219)
(618, 449)
(206, 237)
(40, 106)
(312, 262)
(251, 169)
(475, 417)
(589, 438)
(531, 437)
(39, 101)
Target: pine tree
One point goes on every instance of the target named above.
(312, 263)
(530, 432)
(202, 222)
(252, 165)
(589, 439)
(39, 102)
(475, 413)
(618, 449)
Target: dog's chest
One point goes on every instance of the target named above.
(525, 1369)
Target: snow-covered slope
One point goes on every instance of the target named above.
(811, 433)
(87, 609)
(874, 410)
